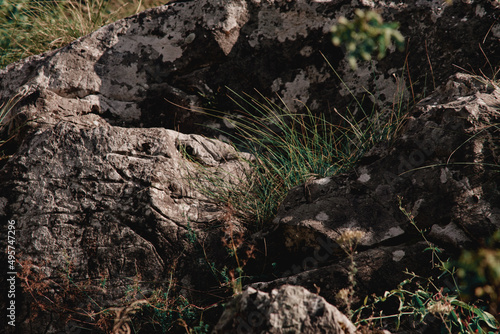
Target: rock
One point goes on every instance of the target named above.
(105, 206)
(289, 309)
(154, 68)
(444, 166)
(323, 268)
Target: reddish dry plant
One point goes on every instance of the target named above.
(58, 295)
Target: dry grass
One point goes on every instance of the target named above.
(29, 27)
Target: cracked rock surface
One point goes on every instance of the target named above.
(99, 203)
(148, 70)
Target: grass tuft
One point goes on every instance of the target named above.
(292, 148)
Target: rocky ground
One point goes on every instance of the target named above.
(109, 150)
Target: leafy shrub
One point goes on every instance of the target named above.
(479, 274)
(364, 35)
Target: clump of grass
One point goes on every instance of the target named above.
(291, 148)
(29, 27)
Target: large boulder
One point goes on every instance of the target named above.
(146, 70)
(99, 208)
(443, 166)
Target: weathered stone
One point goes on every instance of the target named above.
(186, 53)
(324, 270)
(444, 167)
(289, 309)
(99, 203)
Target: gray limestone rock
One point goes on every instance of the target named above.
(99, 207)
(288, 309)
(443, 165)
(154, 68)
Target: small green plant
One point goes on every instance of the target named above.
(365, 34)
(165, 311)
(234, 242)
(418, 301)
(191, 234)
(233, 277)
(164, 314)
